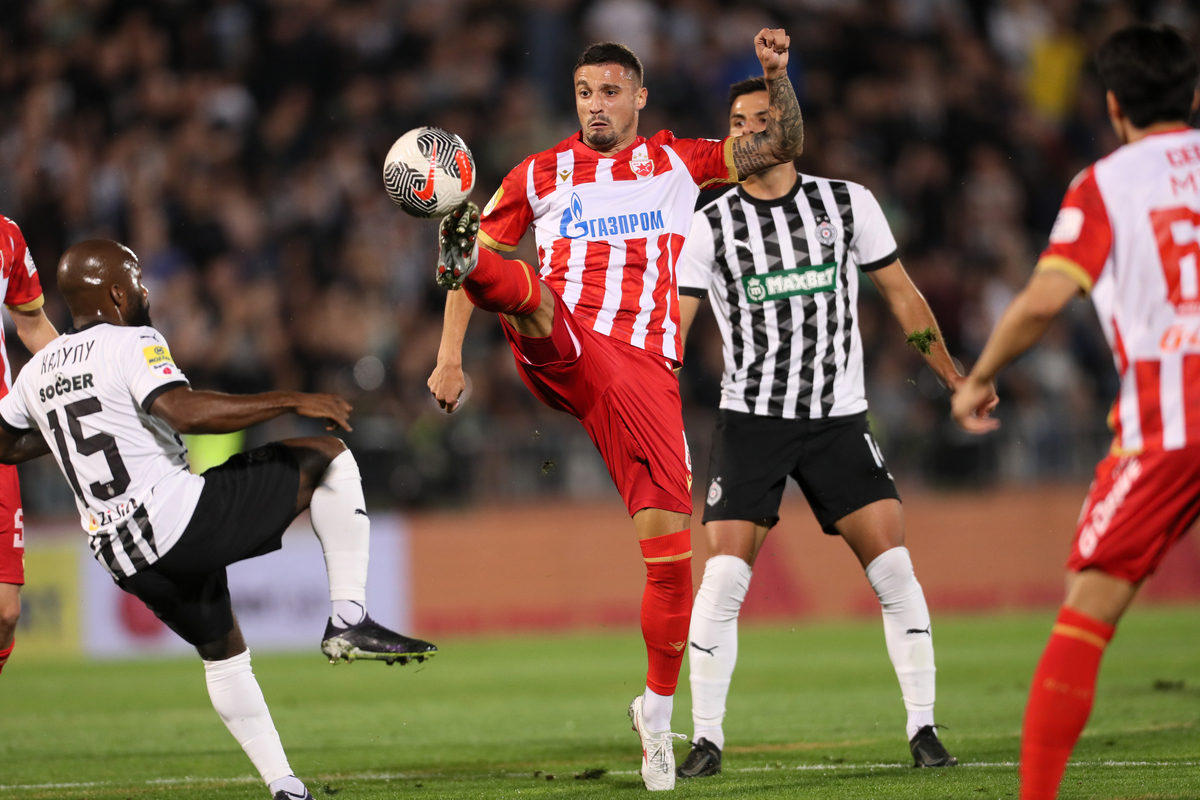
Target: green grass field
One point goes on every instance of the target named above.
(815, 712)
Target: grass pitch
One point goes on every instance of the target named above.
(814, 712)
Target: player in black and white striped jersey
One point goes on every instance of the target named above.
(778, 258)
(107, 399)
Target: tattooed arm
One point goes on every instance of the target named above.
(783, 140)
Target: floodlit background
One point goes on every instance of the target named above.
(237, 147)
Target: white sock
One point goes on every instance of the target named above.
(239, 702)
(290, 784)
(656, 710)
(907, 631)
(713, 643)
(339, 518)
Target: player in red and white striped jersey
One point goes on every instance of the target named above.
(595, 328)
(1127, 234)
(22, 294)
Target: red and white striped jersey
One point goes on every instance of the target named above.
(609, 230)
(1129, 232)
(19, 283)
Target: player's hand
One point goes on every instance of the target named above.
(447, 384)
(325, 406)
(972, 405)
(771, 47)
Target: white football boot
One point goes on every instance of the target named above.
(658, 751)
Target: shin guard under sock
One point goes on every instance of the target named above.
(907, 631)
(239, 701)
(340, 521)
(503, 286)
(712, 652)
(5, 653)
(1060, 700)
(666, 607)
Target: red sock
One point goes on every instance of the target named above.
(1060, 700)
(506, 287)
(4, 654)
(666, 607)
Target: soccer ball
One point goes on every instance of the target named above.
(429, 172)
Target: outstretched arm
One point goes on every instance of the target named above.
(189, 411)
(783, 140)
(688, 306)
(447, 381)
(909, 307)
(17, 448)
(33, 328)
(1023, 323)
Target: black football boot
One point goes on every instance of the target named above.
(370, 640)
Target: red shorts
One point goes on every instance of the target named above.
(12, 528)
(627, 399)
(1137, 508)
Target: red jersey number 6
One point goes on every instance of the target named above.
(1177, 231)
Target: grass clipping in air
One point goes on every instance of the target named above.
(923, 340)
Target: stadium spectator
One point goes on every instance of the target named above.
(159, 123)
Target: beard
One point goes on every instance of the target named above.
(602, 139)
(139, 314)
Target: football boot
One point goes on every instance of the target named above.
(928, 750)
(284, 794)
(702, 761)
(658, 751)
(458, 245)
(370, 640)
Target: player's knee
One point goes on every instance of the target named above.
(10, 614)
(315, 454)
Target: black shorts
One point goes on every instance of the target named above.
(246, 505)
(835, 461)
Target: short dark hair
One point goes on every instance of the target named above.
(748, 86)
(610, 53)
(1152, 71)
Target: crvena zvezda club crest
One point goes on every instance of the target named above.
(642, 167)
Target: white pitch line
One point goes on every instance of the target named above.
(377, 776)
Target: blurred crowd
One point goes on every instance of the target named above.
(237, 146)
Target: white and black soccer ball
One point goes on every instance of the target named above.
(429, 172)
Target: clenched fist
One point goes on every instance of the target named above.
(771, 46)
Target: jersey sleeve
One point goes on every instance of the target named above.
(507, 215)
(696, 260)
(872, 244)
(14, 414)
(710, 161)
(1081, 239)
(148, 367)
(24, 289)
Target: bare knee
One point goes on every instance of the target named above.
(228, 646)
(10, 610)
(314, 454)
(741, 538)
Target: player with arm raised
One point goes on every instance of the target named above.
(109, 402)
(779, 259)
(1127, 234)
(595, 329)
(22, 292)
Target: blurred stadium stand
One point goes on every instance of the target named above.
(236, 145)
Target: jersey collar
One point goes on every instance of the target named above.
(73, 329)
(778, 201)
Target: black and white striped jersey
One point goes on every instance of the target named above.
(782, 277)
(89, 392)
